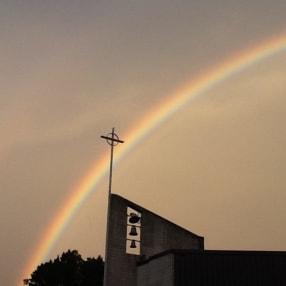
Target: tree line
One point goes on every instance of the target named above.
(69, 269)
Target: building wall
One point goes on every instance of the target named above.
(224, 268)
(157, 235)
(214, 267)
(157, 272)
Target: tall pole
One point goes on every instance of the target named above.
(112, 139)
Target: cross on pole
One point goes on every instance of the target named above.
(112, 139)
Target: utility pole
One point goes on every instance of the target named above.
(112, 139)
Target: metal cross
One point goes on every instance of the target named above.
(112, 139)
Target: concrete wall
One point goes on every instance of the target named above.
(157, 235)
(158, 272)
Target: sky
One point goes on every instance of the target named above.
(72, 70)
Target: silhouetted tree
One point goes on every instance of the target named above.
(68, 270)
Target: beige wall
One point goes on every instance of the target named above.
(157, 272)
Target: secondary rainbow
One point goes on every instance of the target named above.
(141, 129)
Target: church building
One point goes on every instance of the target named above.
(144, 249)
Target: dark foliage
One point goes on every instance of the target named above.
(68, 270)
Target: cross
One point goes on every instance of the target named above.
(112, 139)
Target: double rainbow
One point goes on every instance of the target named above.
(143, 128)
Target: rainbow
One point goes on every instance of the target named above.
(141, 129)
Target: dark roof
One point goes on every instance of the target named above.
(216, 252)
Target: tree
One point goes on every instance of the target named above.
(68, 270)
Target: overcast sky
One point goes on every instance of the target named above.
(71, 70)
